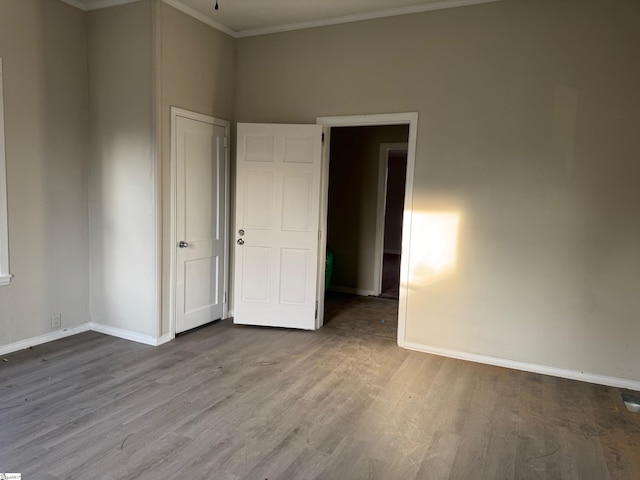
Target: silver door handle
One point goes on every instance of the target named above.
(182, 244)
(240, 241)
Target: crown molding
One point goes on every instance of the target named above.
(76, 3)
(177, 4)
(391, 12)
(97, 5)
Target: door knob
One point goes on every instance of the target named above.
(183, 244)
(240, 241)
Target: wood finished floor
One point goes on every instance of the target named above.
(227, 402)
(362, 315)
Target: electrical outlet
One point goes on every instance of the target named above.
(56, 320)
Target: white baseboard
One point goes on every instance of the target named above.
(527, 367)
(164, 339)
(126, 334)
(85, 327)
(48, 337)
(352, 291)
(444, 352)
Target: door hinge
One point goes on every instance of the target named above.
(316, 309)
(225, 142)
(322, 137)
(319, 234)
(224, 297)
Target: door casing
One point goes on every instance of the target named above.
(410, 119)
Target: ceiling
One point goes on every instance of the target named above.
(241, 18)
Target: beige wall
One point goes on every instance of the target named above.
(50, 101)
(528, 136)
(45, 93)
(353, 201)
(122, 203)
(197, 65)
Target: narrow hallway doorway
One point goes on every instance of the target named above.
(367, 177)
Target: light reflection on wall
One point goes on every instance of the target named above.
(434, 246)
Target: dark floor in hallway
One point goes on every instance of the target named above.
(366, 315)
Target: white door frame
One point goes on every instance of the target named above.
(383, 168)
(411, 119)
(5, 276)
(175, 113)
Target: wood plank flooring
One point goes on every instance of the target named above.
(362, 315)
(230, 403)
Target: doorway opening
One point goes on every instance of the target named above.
(368, 166)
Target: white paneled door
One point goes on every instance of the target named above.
(200, 222)
(277, 218)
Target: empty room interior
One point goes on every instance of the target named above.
(388, 239)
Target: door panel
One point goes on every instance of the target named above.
(294, 267)
(255, 274)
(200, 222)
(258, 200)
(277, 215)
(297, 202)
